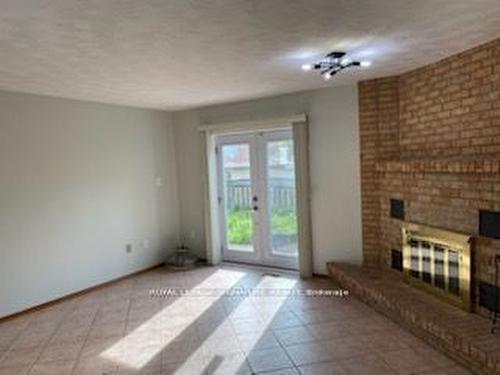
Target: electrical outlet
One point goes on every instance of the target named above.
(128, 248)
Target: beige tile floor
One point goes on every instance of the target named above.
(121, 329)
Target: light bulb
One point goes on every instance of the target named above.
(365, 64)
(345, 61)
(327, 76)
(306, 67)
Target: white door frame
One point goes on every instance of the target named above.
(262, 252)
(268, 257)
(227, 253)
(207, 133)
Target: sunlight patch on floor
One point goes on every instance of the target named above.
(131, 351)
(220, 349)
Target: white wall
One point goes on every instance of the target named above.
(77, 183)
(334, 157)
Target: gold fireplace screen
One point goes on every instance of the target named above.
(438, 261)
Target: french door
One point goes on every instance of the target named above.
(256, 189)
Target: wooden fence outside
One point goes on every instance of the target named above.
(281, 194)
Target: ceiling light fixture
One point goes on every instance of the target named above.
(333, 63)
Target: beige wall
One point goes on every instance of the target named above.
(78, 181)
(334, 157)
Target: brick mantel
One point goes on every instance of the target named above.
(449, 166)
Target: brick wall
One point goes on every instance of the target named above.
(452, 107)
(432, 138)
(379, 140)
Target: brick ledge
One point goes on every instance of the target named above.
(472, 166)
(427, 317)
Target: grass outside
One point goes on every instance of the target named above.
(283, 222)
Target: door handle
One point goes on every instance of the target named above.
(255, 208)
(255, 198)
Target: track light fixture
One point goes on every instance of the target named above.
(333, 63)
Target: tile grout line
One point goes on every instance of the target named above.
(244, 352)
(88, 334)
(316, 341)
(127, 317)
(84, 341)
(13, 341)
(282, 346)
(129, 307)
(48, 340)
(305, 325)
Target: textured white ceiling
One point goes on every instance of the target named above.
(174, 54)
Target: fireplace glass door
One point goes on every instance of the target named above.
(438, 261)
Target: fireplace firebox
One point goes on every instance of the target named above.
(438, 261)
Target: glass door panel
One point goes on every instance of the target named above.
(281, 200)
(237, 193)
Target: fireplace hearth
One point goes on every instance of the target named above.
(438, 261)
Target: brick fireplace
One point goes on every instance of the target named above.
(430, 154)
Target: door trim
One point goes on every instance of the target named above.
(261, 235)
(254, 125)
(268, 258)
(227, 253)
(207, 133)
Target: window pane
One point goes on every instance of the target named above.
(238, 196)
(281, 198)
